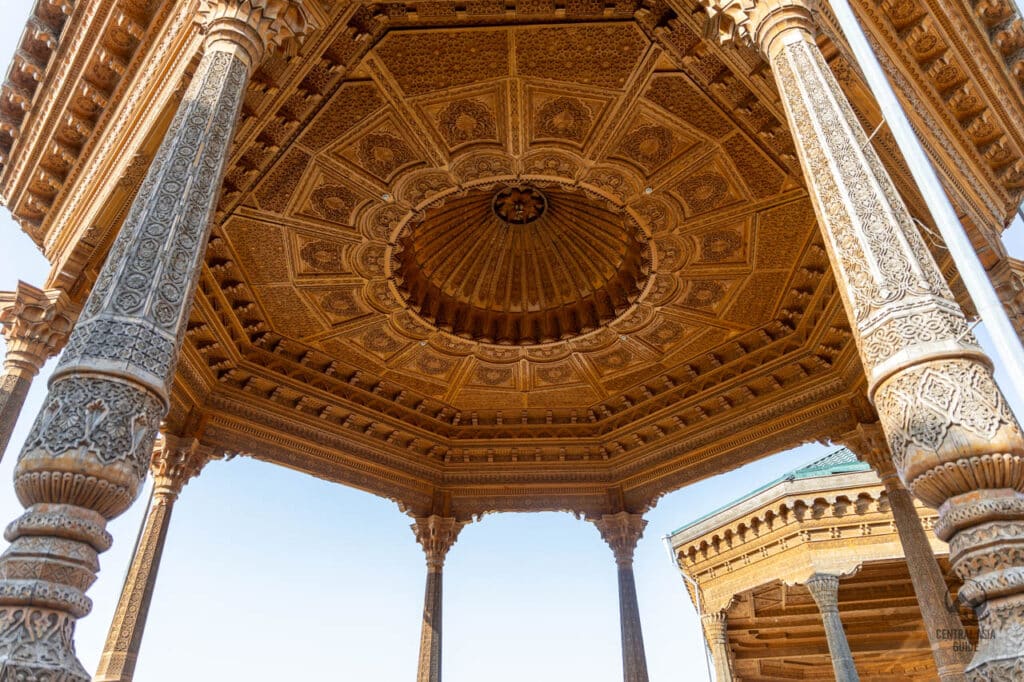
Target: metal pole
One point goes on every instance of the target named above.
(1007, 344)
(696, 595)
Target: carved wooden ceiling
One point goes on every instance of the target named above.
(775, 631)
(537, 255)
(512, 248)
(325, 259)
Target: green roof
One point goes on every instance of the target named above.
(841, 461)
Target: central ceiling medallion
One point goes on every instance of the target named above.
(519, 205)
(573, 264)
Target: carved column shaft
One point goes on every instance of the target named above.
(13, 391)
(175, 461)
(36, 325)
(622, 531)
(716, 632)
(436, 534)
(825, 590)
(121, 650)
(634, 657)
(953, 439)
(87, 453)
(1008, 279)
(429, 666)
(946, 634)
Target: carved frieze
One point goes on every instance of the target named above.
(343, 148)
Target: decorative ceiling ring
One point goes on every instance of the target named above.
(584, 261)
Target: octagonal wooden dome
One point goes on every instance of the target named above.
(364, 313)
(520, 265)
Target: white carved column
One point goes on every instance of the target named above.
(436, 534)
(36, 325)
(953, 439)
(88, 451)
(716, 632)
(825, 590)
(948, 638)
(622, 531)
(175, 461)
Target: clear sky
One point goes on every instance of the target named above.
(272, 575)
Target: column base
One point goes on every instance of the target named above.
(44, 573)
(1000, 653)
(985, 532)
(37, 645)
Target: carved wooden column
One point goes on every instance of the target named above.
(946, 633)
(1008, 279)
(36, 325)
(436, 534)
(175, 461)
(953, 439)
(622, 531)
(715, 630)
(825, 590)
(89, 448)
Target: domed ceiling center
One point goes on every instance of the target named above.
(522, 265)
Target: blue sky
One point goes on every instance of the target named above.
(269, 574)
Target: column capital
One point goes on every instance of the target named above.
(714, 624)
(868, 442)
(36, 324)
(176, 460)
(716, 634)
(824, 587)
(255, 26)
(436, 534)
(621, 531)
(758, 22)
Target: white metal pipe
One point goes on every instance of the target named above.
(1007, 344)
(667, 541)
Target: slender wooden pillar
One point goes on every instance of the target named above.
(622, 531)
(436, 534)
(1007, 277)
(36, 325)
(950, 646)
(825, 590)
(716, 632)
(175, 461)
(87, 454)
(954, 441)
